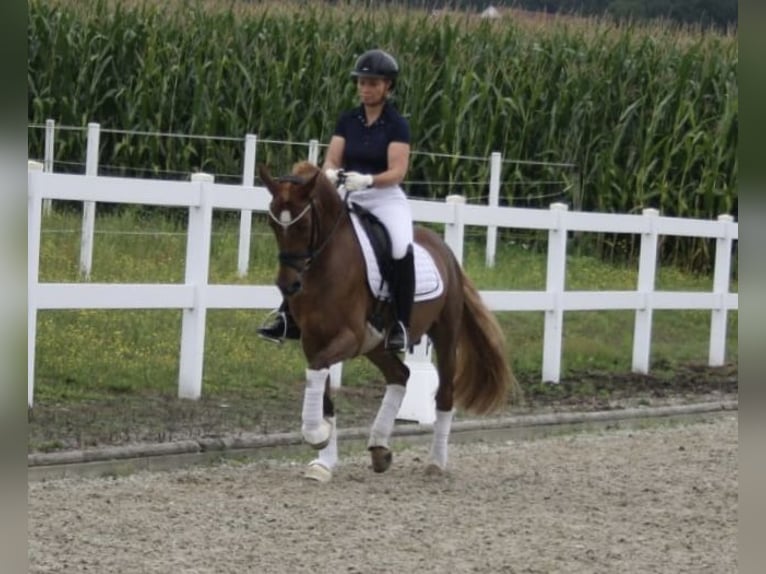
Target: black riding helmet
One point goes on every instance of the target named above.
(376, 63)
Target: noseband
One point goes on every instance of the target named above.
(301, 261)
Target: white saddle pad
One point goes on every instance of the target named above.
(428, 282)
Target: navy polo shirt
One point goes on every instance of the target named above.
(366, 149)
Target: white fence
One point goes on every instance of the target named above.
(195, 296)
(248, 178)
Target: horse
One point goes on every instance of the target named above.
(322, 276)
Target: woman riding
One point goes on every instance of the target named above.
(369, 154)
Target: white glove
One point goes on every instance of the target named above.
(356, 181)
(332, 175)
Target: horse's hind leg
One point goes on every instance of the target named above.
(396, 374)
(444, 343)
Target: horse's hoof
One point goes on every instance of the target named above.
(381, 458)
(318, 472)
(318, 438)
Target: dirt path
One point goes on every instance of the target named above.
(641, 501)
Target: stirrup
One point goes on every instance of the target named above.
(278, 339)
(405, 335)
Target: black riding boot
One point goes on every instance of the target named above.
(282, 327)
(403, 295)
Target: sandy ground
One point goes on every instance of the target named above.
(632, 501)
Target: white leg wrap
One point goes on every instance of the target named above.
(384, 421)
(328, 456)
(315, 428)
(438, 454)
(320, 469)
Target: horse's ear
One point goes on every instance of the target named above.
(265, 174)
(307, 187)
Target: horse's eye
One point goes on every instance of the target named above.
(285, 217)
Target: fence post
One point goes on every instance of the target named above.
(246, 215)
(454, 233)
(197, 269)
(495, 168)
(50, 134)
(314, 151)
(89, 207)
(554, 285)
(647, 270)
(721, 278)
(34, 223)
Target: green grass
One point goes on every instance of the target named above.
(92, 354)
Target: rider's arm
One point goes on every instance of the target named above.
(334, 157)
(398, 162)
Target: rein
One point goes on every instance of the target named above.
(301, 261)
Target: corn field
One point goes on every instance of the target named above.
(647, 114)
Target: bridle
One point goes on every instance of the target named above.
(301, 261)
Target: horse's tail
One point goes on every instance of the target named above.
(483, 377)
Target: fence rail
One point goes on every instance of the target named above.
(201, 196)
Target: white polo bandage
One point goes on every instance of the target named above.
(313, 397)
(383, 426)
(328, 456)
(442, 427)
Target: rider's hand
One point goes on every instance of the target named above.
(332, 175)
(356, 181)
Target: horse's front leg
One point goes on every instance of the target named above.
(320, 469)
(317, 428)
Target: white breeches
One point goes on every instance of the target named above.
(389, 204)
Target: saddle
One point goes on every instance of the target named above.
(375, 243)
(379, 238)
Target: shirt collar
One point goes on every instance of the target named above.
(381, 119)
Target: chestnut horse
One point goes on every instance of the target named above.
(323, 277)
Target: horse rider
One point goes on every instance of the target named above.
(371, 147)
